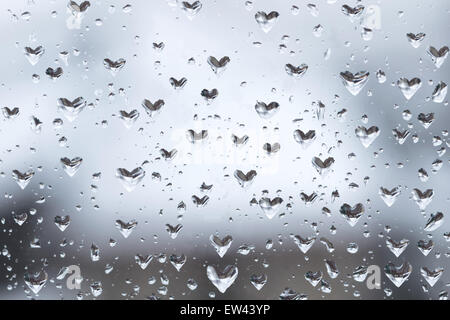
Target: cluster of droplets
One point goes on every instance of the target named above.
(271, 205)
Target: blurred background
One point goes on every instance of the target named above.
(256, 72)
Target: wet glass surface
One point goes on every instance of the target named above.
(224, 149)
